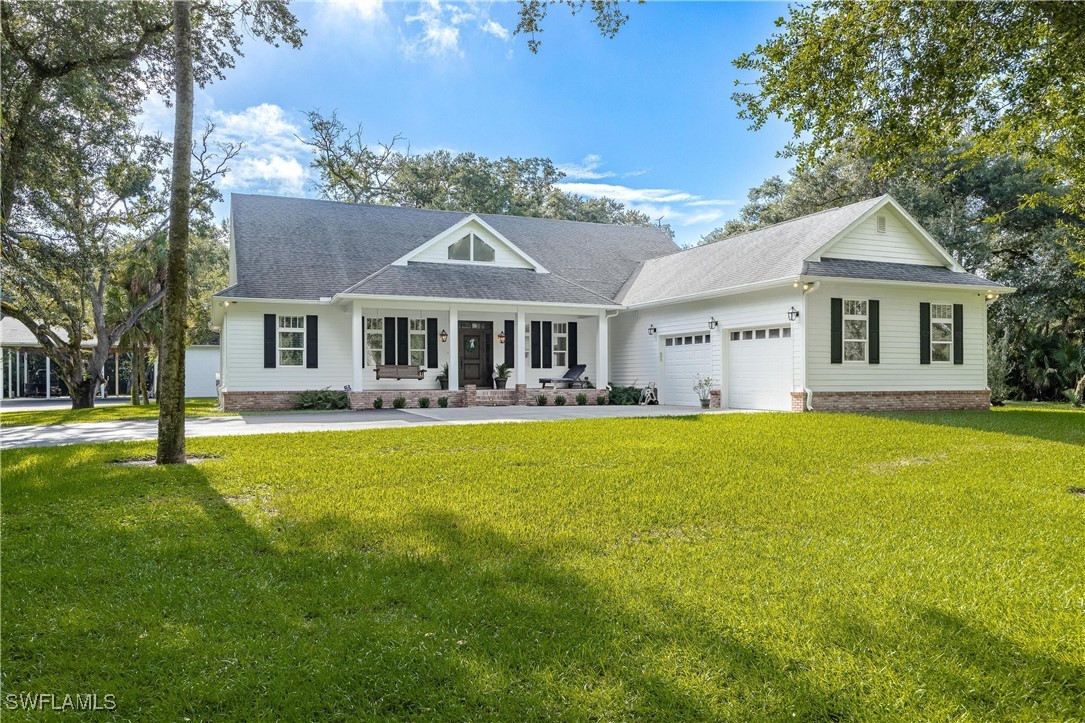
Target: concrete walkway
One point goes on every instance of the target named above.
(143, 429)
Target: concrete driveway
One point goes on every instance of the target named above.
(144, 429)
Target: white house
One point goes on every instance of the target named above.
(854, 308)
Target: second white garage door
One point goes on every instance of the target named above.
(759, 369)
(684, 357)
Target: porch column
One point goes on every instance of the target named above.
(453, 348)
(602, 351)
(521, 352)
(48, 378)
(26, 372)
(357, 339)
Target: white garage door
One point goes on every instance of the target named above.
(759, 369)
(684, 357)
(201, 368)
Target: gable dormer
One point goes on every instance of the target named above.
(471, 241)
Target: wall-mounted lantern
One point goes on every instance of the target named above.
(500, 337)
(713, 324)
(651, 330)
(444, 336)
(792, 314)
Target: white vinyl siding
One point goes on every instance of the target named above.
(897, 244)
(899, 368)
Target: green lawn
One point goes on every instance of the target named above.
(734, 567)
(195, 407)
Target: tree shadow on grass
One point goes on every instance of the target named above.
(1065, 425)
(153, 586)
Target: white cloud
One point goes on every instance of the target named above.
(676, 207)
(367, 11)
(272, 158)
(439, 35)
(587, 169)
(627, 194)
(495, 29)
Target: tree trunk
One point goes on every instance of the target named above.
(83, 394)
(171, 366)
(133, 377)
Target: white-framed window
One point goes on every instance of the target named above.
(855, 330)
(471, 248)
(941, 332)
(416, 331)
(374, 339)
(560, 337)
(786, 331)
(291, 341)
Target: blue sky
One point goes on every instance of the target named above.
(645, 118)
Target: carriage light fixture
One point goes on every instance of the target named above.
(792, 314)
(713, 324)
(444, 336)
(501, 337)
(651, 330)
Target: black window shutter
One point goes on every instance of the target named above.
(269, 341)
(874, 332)
(924, 333)
(836, 331)
(389, 340)
(958, 333)
(402, 341)
(536, 344)
(311, 342)
(547, 345)
(572, 343)
(431, 343)
(364, 352)
(510, 344)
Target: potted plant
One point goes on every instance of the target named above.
(501, 376)
(703, 387)
(443, 376)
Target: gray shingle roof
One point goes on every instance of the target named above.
(884, 271)
(306, 249)
(773, 252)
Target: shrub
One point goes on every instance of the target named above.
(601, 399)
(322, 399)
(423, 402)
(541, 400)
(378, 402)
(559, 400)
(399, 402)
(581, 399)
(442, 402)
(625, 395)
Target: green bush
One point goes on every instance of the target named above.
(399, 402)
(378, 402)
(423, 402)
(581, 399)
(541, 400)
(625, 395)
(322, 399)
(601, 399)
(559, 400)
(442, 402)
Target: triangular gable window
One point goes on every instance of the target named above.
(471, 248)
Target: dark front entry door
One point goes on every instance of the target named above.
(476, 353)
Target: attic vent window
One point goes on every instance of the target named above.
(471, 248)
(881, 224)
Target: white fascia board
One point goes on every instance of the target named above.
(233, 299)
(456, 228)
(730, 291)
(443, 302)
(998, 290)
(925, 237)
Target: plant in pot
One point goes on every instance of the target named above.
(703, 387)
(501, 376)
(443, 376)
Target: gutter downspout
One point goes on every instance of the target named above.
(807, 289)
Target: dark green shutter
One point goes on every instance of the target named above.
(874, 332)
(836, 331)
(431, 343)
(547, 345)
(311, 353)
(536, 344)
(572, 343)
(510, 344)
(403, 339)
(924, 333)
(389, 340)
(958, 333)
(364, 352)
(269, 341)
